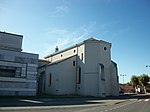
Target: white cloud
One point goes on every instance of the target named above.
(61, 10)
(67, 2)
(64, 38)
(121, 32)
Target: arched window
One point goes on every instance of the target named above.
(102, 72)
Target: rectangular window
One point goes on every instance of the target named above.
(82, 56)
(7, 73)
(74, 63)
(102, 72)
(50, 80)
(79, 76)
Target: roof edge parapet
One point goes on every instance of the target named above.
(92, 39)
(11, 34)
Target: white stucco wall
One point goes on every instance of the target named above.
(95, 55)
(90, 56)
(91, 84)
(81, 53)
(90, 74)
(106, 61)
(81, 64)
(77, 49)
(63, 77)
(63, 55)
(114, 80)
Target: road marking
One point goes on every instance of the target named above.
(121, 106)
(31, 101)
(147, 100)
(117, 107)
(144, 106)
(114, 108)
(86, 109)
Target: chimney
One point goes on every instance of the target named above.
(56, 49)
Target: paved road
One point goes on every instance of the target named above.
(113, 105)
(128, 106)
(138, 106)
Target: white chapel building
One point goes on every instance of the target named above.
(84, 69)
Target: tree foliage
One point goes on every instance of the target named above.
(140, 80)
(143, 80)
(134, 80)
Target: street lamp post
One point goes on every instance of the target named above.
(123, 75)
(147, 67)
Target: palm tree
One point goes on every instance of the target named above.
(135, 81)
(143, 80)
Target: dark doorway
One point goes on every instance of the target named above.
(41, 83)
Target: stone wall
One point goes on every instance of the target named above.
(18, 73)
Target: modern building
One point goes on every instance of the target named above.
(18, 70)
(83, 69)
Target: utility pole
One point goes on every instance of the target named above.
(148, 66)
(123, 75)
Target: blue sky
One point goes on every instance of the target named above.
(49, 23)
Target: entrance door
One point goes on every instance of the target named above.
(41, 85)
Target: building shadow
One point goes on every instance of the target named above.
(22, 102)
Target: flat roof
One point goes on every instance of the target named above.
(11, 34)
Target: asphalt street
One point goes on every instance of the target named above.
(138, 103)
